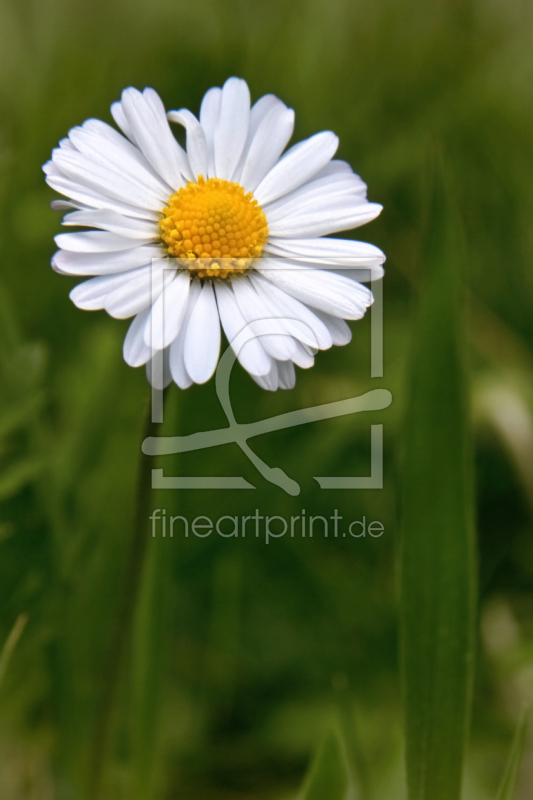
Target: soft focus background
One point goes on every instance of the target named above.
(255, 651)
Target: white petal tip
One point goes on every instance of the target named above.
(375, 209)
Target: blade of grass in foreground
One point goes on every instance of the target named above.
(328, 776)
(510, 778)
(150, 636)
(438, 565)
(132, 578)
(148, 673)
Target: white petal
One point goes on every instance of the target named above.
(317, 334)
(66, 144)
(209, 114)
(251, 355)
(334, 167)
(287, 375)
(340, 215)
(255, 309)
(361, 273)
(318, 193)
(168, 312)
(338, 328)
(96, 199)
(146, 116)
(105, 263)
(120, 118)
(113, 222)
(298, 164)
(57, 269)
(90, 295)
(178, 370)
(337, 252)
(288, 323)
(158, 370)
(99, 178)
(63, 205)
(270, 382)
(326, 291)
(232, 127)
(258, 112)
(103, 144)
(303, 357)
(196, 140)
(95, 242)
(135, 351)
(51, 170)
(178, 152)
(139, 291)
(202, 339)
(267, 146)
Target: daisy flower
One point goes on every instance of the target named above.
(229, 232)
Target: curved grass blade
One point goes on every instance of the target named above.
(504, 406)
(510, 778)
(11, 642)
(438, 564)
(19, 474)
(328, 777)
(351, 736)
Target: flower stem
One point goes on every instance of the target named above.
(127, 601)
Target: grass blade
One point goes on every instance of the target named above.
(505, 408)
(328, 777)
(148, 670)
(510, 778)
(150, 637)
(20, 474)
(11, 642)
(438, 565)
(132, 578)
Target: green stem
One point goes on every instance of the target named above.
(131, 581)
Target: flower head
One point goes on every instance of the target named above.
(230, 231)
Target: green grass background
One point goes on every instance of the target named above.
(258, 649)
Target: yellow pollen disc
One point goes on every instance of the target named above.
(213, 227)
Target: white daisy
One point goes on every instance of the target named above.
(229, 231)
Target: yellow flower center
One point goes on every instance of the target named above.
(213, 227)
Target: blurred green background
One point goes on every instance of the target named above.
(256, 650)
